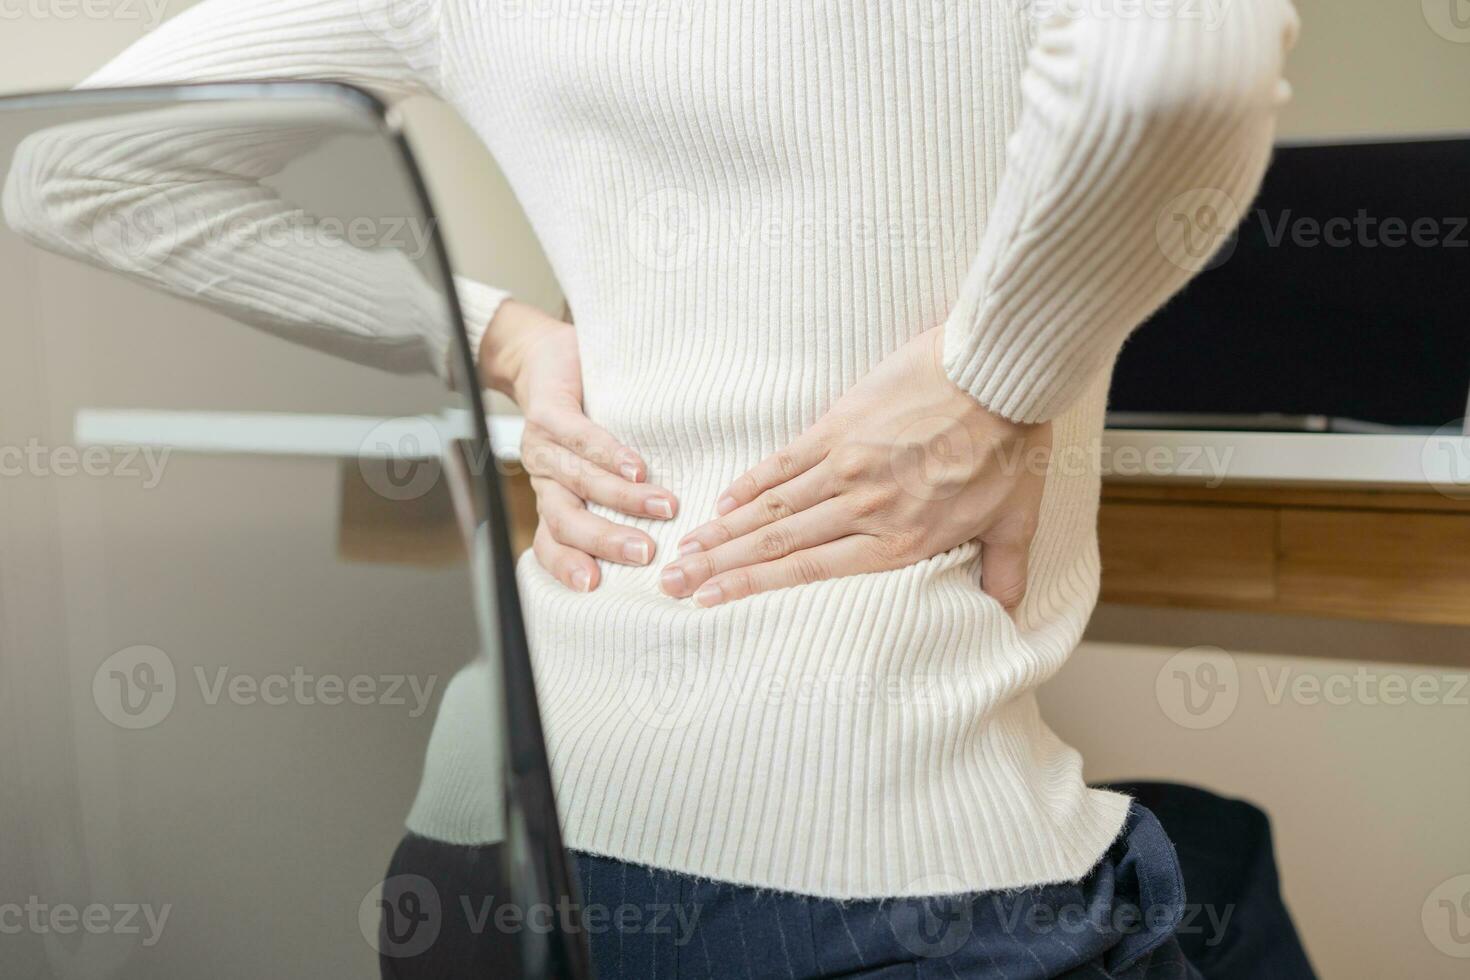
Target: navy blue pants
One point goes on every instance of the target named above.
(1129, 918)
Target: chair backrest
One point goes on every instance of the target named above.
(252, 528)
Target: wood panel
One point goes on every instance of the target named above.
(412, 529)
(1398, 566)
(521, 501)
(1266, 495)
(1357, 554)
(1174, 554)
(1380, 555)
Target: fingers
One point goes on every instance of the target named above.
(572, 525)
(572, 568)
(572, 462)
(807, 451)
(851, 555)
(805, 491)
(827, 521)
(569, 428)
(564, 445)
(592, 483)
(1003, 559)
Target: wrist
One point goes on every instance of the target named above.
(512, 331)
(1004, 427)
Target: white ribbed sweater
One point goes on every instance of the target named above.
(748, 205)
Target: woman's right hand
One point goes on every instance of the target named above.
(572, 461)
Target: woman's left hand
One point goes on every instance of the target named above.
(906, 465)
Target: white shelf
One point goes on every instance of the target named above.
(1193, 457)
(288, 434)
(1215, 457)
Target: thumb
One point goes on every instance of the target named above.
(1003, 569)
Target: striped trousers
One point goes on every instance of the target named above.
(1128, 919)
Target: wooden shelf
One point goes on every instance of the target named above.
(1357, 554)
(1248, 544)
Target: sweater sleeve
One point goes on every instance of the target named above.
(388, 46)
(1142, 135)
(177, 173)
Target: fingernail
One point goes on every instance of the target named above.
(725, 505)
(629, 471)
(636, 552)
(709, 593)
(672, 579)
(582, 580)
(659, 507)
(689, 548)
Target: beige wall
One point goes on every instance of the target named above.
(1369, 799)
(1370, 66)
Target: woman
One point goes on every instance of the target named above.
(813, 466)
